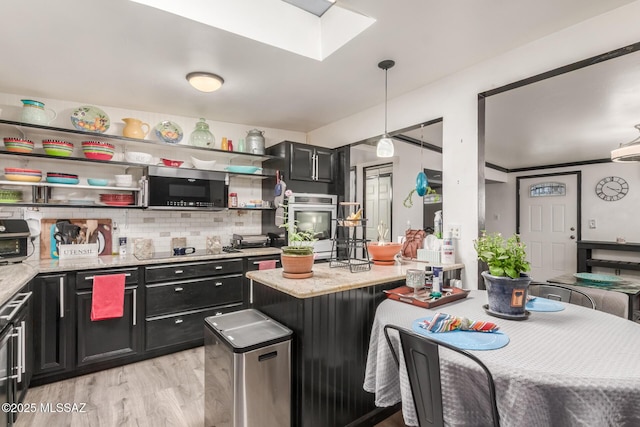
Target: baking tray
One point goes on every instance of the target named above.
(405, 294)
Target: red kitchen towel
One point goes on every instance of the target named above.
(107, 301)
(267, 265)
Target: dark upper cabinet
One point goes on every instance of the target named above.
(309, 163)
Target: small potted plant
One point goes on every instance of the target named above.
(298, 257)
(506, 282)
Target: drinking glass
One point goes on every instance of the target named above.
(415, 280)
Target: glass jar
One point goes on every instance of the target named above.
(201, 136)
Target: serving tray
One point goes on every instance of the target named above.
(405, 294)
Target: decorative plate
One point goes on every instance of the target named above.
(56, 180)
(168, 131)
(543, 304)
(90, 119)
(593, 277)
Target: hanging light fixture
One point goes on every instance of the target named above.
(629, 152)
(385, 144)
(205, 82)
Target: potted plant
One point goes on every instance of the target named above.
(506, 282)
(297, 258)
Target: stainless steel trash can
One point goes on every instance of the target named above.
(247, 371)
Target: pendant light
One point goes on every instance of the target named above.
(629, 152)
(385, 144)
(422, 183)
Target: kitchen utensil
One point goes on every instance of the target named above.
(168, 131)
(35, 113)
(91, 119)
(134, 128)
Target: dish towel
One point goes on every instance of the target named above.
(107, 301)
(442, 322)
(267, 265)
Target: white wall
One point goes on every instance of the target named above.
(613, 219)
(454, 98)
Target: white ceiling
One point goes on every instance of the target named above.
(121, 53)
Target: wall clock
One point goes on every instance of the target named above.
(612, 188)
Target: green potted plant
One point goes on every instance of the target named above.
(506, 282)
(297, 258)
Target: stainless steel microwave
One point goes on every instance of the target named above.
(14, 236)
(175, 188)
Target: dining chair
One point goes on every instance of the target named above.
(556, 292)
(422, 360)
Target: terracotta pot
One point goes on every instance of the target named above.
(296, 264)
(506, 295)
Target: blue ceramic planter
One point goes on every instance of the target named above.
(506, 295)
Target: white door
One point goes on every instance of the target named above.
(549, 224)
(377, 201)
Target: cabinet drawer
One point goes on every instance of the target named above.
(254, 262)
(84, 279)
(190, 270)
(180, 328)
(193, 294)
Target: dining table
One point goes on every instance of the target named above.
(570, 367)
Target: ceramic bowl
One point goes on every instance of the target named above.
(385, 252)
(57, 148)
(203, 164)
(98, 182)
(124, 180)
(98, 150)
(138, 157)
(172, 163)
(18, 145)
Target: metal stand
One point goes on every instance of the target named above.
(346, 244)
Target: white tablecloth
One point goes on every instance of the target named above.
(576, 367)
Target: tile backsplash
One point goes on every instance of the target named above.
(160, 226)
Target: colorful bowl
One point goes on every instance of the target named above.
(18, 145)
(172, 163)
(23, 175)
(97, 150)
(98, 182)
(383, 253)
(58, 180)
(57, 148)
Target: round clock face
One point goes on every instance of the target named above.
(612, 188)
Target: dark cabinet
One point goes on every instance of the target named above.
(179, 296)
(309, 163)
(51, 325)
(23, 334)
(102, 340)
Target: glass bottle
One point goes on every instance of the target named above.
(224, 145)
(241, 147)
(230, 145)
(201, 136)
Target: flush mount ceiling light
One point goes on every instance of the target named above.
(385, 144)
(316, 7)
(205, 82)
(629, 152)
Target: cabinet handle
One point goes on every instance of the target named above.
(61, 297)
(135, 310)
(18, 336)
(258, 262)
(178, 321)
(179, 271)
(218, 283)
(218, 267)
(317, 167)
(218, 313)
(93, 277)
(178, 289)
(313, 167)
(24, 346)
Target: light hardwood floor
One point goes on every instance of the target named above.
(164, 391)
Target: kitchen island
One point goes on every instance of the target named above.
(331, 315)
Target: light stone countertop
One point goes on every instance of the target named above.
(327, 280)
(15, 276)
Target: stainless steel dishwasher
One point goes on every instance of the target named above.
(247, 371)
